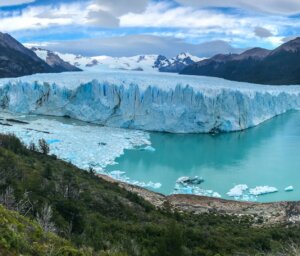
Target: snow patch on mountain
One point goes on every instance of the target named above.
(149, 63)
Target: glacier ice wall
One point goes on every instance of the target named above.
(165, 103)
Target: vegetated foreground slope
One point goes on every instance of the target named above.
(278, 67)
(93, 213)
(22, 236)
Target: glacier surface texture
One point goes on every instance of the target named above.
(152, 102)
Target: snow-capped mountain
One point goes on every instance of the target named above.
(54, 61)
(149, 63)
(180, 62)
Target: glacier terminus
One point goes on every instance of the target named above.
(152, 102)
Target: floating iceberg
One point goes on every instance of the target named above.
(262, 190)
(216, 194)
(195, 190)
(121, 176)
(153, 102)
(191, 185)
(237, 191)
(149, 148)
(189, 180)
(289, 188)
(242, 192)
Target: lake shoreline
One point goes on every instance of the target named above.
(273, 213)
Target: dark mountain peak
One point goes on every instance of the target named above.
(161, 61)
(254, 53)
(17, 60)
(7, 41)
(223, 57)
(290, 46)
(279, 67)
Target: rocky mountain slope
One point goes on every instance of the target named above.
(278, 67)
(178, 63)
(17, 60)
(54, 61)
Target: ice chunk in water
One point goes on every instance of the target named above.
(237, 191)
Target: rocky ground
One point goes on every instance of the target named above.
(286, 212)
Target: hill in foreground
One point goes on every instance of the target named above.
(92, 213)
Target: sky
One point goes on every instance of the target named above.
(168, 27)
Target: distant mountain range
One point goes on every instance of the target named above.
(278, 67)
(17, 60)
(148, 63)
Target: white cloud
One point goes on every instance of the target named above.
(14, 2)
(106, 12)
(163, 15)
(42, 17)
(103, 13)
(185, 22)
(191, 23)
(286, 7)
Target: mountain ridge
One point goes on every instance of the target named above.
(141, 62)
(16, 60)
(276, 67)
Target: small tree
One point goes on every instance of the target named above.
(44, 147)
(8, 199)
(48, 173)
(171, 243)
(44, 219)
(92, 171)
(32, 147)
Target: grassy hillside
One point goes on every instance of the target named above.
(19, 235)
(92, 213)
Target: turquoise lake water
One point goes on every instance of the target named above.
(268, 154)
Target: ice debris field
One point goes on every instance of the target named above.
(152, 102)
(86, 146)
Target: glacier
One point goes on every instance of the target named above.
(151, 102)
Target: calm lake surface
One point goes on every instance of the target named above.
(265, 155)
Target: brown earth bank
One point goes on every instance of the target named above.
(286, 212)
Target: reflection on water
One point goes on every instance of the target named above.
(264, 155)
